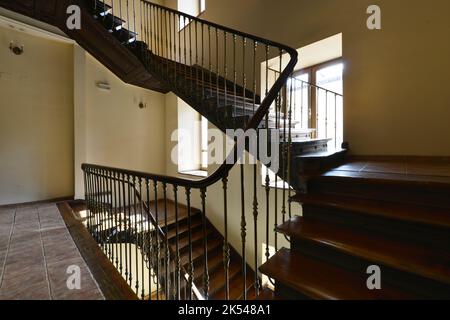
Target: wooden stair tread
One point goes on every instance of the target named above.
(414, 258)
(432, 183)
(265, 294)
(235, 287)
(217, 278)
(182, 211)
(196, 236)
(197, 251)
(400, 211)
(183, 228)
(320, 280)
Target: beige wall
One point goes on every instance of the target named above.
(36, 119)
(111, 128)
(395, 97)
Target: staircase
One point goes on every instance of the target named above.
(168, 249)
(208, 264)
(353, 219)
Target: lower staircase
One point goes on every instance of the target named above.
(394, 215)
(178, 236)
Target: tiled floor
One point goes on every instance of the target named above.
(36, 251)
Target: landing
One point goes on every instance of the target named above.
(35, 251)
(423, 171)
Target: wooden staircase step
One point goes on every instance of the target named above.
(196, 239)
(183, 228)
(171, 214)
(402, 188)
(433, 216)
(316, 279)
(414, 258)
(217, 278)
(265, 294)
(197, 251)
(236, 287)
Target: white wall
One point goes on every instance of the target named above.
(36, 119)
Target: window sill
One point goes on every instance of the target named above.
(278, 185)
(195, 173)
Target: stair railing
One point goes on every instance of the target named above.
(216, 70)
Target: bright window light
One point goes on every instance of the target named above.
(202, 6)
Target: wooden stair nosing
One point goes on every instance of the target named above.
(434, 216)
(320, 280)
(421, 260)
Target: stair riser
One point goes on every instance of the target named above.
(394, 193)
(408, 282)
(416, 232)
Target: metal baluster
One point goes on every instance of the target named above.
(169, 48)
(149, 231)
(225, 70)
(112, 16)
(203, 61)
(191, 263)
(141, 237)
(99, 208)
(290, 148)
(255, 175)
(126, 224)
(166, 254)
(115, 226)
(190, 54)
(86, 197)
(179, 46)
(205, 245)
(185, 53)
(104, 213)
(158, 256)
(285, 151)
(130, 231)
(167, 56)
(326, 114)
(196, 55)
(277, 126)
(226, 247)
(210, 62)
(120, 225)
(267, 188)
(335, 121)
(234, 80)
(175, 48)
(244, 81)
(177, 245)
(134, 20)
(128, 19)
(217, 67)
(243, 234)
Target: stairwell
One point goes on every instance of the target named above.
(355, 214)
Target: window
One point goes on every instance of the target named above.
(192, 141)
(318, 94)
(204, 144)
(190, 7)
(202, 6)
